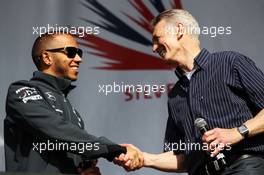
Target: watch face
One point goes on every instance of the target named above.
(243, 130)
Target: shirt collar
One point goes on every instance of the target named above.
(61, 84)
(202, 58)
(200, 61)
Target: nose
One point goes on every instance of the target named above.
(77, 58)
(154, 47)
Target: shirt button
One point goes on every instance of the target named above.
(201, 98)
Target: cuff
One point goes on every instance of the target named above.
(115, 151)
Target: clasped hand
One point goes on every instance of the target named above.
(132, 160)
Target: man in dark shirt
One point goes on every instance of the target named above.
(226, 89)
(43, 132)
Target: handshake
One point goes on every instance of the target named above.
(132, 160)
(135, 159)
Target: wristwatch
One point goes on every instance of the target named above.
(243, 130)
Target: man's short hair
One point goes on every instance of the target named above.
(39, 44)
(179, 16)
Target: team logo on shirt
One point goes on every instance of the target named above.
(28, 93)
(50, 96)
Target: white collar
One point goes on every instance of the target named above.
(189, 74)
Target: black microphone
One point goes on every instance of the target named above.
(201, 124)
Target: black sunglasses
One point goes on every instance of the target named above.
(69, 51)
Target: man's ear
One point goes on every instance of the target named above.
(46, 58)
(181, 31)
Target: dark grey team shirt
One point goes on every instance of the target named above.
(226, 90)
(38, 112)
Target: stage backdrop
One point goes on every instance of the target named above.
(118, 52)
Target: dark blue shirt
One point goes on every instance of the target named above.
(226, 90)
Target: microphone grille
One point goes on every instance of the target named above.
(200, 123)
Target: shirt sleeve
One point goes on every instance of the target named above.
(251, 79)
(27, 108)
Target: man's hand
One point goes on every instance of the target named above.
(91, 171)
(219, 138)
(132, 160)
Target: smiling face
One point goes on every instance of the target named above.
(60, 64)
(166, 41)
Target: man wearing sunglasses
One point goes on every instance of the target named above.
(43, 132)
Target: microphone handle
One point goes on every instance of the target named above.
(203, 130)
(220, 156)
